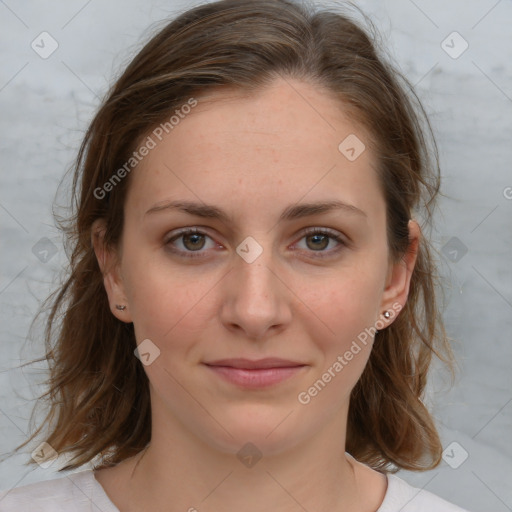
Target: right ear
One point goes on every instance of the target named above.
(108, 262)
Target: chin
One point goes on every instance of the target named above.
(264, 434)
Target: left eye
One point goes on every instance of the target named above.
(193, 241)
(320, 238)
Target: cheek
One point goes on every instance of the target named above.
(340, 319)
(167, 304)
(344, 304)
(343, 346)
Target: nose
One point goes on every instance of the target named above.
(257, 300)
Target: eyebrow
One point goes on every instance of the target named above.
(294, 211)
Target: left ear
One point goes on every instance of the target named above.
(399, 275)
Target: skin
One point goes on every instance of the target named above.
(252, 156)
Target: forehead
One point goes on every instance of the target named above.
(251, 151)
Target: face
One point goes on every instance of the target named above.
(255, 283)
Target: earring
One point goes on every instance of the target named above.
(120, 307)
(387, 314)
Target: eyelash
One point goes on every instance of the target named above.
(310, 231)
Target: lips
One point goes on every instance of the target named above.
(255, 374)
(250, 364)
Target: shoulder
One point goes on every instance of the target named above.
(75, 492)
(402, 496)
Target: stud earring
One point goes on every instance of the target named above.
(387, 314)
(120, 307)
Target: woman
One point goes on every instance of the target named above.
(250, 313)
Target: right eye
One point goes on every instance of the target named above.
(191, 239)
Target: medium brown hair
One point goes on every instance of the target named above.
(98, 395)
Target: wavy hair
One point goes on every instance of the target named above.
(98, 394)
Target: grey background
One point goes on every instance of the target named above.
(47, 103)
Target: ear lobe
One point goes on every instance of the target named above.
(109, 266)
(400, 273)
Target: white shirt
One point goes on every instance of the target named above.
(81, 492)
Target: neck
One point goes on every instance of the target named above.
(178, 472)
